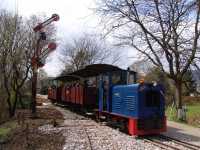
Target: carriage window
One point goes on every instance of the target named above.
(131, 79)
(91, 82)
(152, 99)
(116, 78)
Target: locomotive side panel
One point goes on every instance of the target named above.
(125, 100)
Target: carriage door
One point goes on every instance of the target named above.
(104, 89)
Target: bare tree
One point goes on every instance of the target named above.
(142, 66)
(83, 51)
(8, 33)
(17, 44)
(164, 31)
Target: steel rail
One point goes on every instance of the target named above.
(103, 137)
(88, 137)
(183, 143)
(160, 144)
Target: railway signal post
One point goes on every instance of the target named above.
(38, 59)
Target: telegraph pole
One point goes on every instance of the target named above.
(39, 56)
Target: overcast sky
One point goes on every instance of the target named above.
(75, 17)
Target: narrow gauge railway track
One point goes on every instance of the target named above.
(88, 137)
(161, 140)
(160, 144)
(77, 125)
(185, 144)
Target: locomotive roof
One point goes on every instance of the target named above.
(89, 71)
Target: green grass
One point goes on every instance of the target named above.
(6, 129)
(192, 114)
(4, 132)
(171, 113)
(193, 109)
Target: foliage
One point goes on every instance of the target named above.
(6, 128)
(192, 114)
(26, 102)
(4, 132)
(154, 74)
(171, 113)
(189, 85)
(3, 107)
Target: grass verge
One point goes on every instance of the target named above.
(24, 133)
(6, 130)
(192, 114)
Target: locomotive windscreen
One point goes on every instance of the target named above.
(152, 98)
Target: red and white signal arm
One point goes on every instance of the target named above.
(40, 26)
(45, 52)
(52, 46)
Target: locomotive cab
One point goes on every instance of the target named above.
(151, 100)
(151, 107)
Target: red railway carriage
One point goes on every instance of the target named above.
(54, 93)
(59, 93)
(81, 94)
(77, 94)
(73, 94)
(67, 94)
(50, 93)
(90, 96)
(63, 94)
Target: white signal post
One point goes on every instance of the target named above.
(38, 56)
